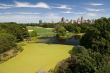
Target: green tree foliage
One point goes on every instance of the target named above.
(77, 29)
(10, 33)
(84, 27)
(83, 60)
(7, 42)
(73, 28)
(60, 31)
(69, 27)
(97, 38)
(67, 30)
(19, 31)
(95, 57)
(79, 62)
(33, 33)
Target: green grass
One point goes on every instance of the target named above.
(43, 32)
(36, 56)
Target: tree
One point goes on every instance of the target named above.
(19, 31)
(83, 60)
(72, 28)
(7, 42)
(95, 57)
(60, 31)
(79, 62)
(33, 33)
(97, 39)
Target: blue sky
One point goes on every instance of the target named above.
(31, 11)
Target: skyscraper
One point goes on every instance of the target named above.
(62, 20)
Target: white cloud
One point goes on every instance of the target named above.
(63, 7)
(48, 17)
(37, 5)
(29, 18)
(79, 13)
(91, 14)
(91, 9)
(25, 4)
(19, 18)
(5, 6)
(6, 13)
(96, 4)
(1, 7)
(22, 4)
(28, 13)
(68, 12)
(42, 5)
(20, 13)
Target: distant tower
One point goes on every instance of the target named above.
(40, 21)
(81, 19)
(66, 20)
(93, 20)
(88, 21)
(74, 21)
(78, 20)
(71, 21)
(62, 20)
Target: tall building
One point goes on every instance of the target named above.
(78, 21)
(81, 19)
(40, 21)
(62, 20)
(71, 21)
(66, 21)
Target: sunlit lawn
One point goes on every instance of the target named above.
(36, 56)
(45, 32)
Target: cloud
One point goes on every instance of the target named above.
(29, 18)
(68, 12)
(50, 17)
(6, 13)
(42, 5)
(28, 13)
(37, 5)
(20, 13)
(5, 6)
(96, 4)
(25, 4)
(63, 7)
(22, 4)
(91, 14)
(19, 18)
(92, 9)
(79, 13)
(1, 7)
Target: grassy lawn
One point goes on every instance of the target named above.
(36, 56)
(45, 32)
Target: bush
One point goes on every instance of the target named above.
(77, 36)
(19, 31)
(83, 60)
(79, 62)
(7, 42)
(33, 33)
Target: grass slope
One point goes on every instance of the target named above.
(35, 57)
(45, 32)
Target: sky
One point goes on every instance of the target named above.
(31, 11)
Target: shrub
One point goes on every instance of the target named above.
(7, 42)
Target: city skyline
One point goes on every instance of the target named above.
(31, 11)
